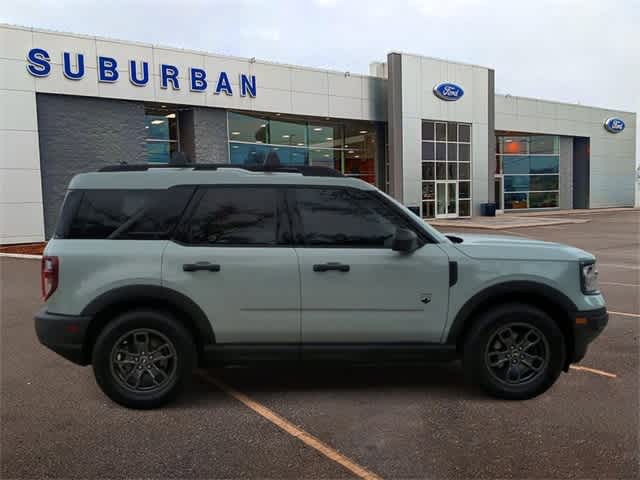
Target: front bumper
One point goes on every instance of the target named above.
(64, 334)
(587, 325)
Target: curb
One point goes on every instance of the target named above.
(20, 255)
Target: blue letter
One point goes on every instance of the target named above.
(169, 73)
(107, 69)
(39, 65)
(198, 82)
(66, 56)
(224, 84)
(247, 85)
(133, 76)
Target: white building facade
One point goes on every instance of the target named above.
(432, 133)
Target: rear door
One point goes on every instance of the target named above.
(233, 258)
(354, 287)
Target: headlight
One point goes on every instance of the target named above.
(589, 278)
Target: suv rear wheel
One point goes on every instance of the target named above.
(143, 358)
(514, 351)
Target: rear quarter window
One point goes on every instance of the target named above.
(122, 214)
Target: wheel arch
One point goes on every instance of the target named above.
(554, 303)
(113, 302)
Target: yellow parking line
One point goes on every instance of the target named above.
(292, 430)
(593, 370)
(624, 314)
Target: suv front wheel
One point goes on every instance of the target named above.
(514, 351)
(143, 358)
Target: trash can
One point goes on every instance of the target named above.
(488, 209)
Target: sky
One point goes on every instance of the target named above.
(579, 51)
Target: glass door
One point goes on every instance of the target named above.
(447, 199)
(497, 185)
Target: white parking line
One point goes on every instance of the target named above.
(593, 370)
(624, 314)
(636, 285)
(617, 265)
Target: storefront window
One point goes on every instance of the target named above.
(446, 169)
(530, 168)
(349, 147)
(161, 131)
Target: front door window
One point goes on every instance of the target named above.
(446, 199)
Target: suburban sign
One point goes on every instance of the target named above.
(109, 70)
(448, 91)
(614, 124)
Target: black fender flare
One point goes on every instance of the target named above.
(539, 293)
(150, 294)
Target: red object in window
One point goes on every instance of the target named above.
(49, 276)
(513, 146)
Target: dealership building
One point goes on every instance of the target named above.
(432, 133)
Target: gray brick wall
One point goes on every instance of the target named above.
(82, 134)
(210, 135)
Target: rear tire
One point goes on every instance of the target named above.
(514, 351)
(143, 359)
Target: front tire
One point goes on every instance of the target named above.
(514, 351)
(143, 359)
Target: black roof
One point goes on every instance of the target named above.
(306, 170)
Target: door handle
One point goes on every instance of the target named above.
(325, 267)
(206, 266)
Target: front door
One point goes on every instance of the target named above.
(232, 261)
(354, 287)
(447, 199)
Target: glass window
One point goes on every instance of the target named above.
(515, 201)
(513, 165)
(161, 132)
(465, 190)
(544, 164)
(452, 152)
(245, 128)
(464, 133)
(441, 132)
(441, 171)
(345, 218)
(287, 133)
(235, 216)
(160, 152)
(513, 145)
(516, 183)
(452, 170)
(464, 171)
(428, 209)
(258, 154)
(543, 182)
(452, 132)
(441, 151)
(126, 214)
(326, 158)
(325, 136)
(543, 200)
(428, 189)
(428, 151)
(464, 208)
(427, 131)
(428, 170)
(464, 152)
(544, 144)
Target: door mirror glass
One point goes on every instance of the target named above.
(405, 240)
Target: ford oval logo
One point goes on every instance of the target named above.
(614, 124)
(448, 91)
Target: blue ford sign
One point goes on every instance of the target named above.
(614, 124)
(109, 70)
(448, 91)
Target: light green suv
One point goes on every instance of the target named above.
(154, 271)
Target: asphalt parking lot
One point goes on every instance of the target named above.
(387, 422)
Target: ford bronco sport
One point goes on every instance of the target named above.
(154, 271)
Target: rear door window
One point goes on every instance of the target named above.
(122, 214)
(237, 216)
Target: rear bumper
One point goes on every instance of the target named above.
(64, 334)
(587, 325)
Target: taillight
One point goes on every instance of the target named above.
(49, 276)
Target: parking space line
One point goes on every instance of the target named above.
(637, 285)
(593, 370)
(291, 429)
(624, 314)
(618, 265)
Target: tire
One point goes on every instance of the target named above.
(514, 333)
(143, 358)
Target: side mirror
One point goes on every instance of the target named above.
(405, 240)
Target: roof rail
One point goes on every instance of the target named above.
(305, 170)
